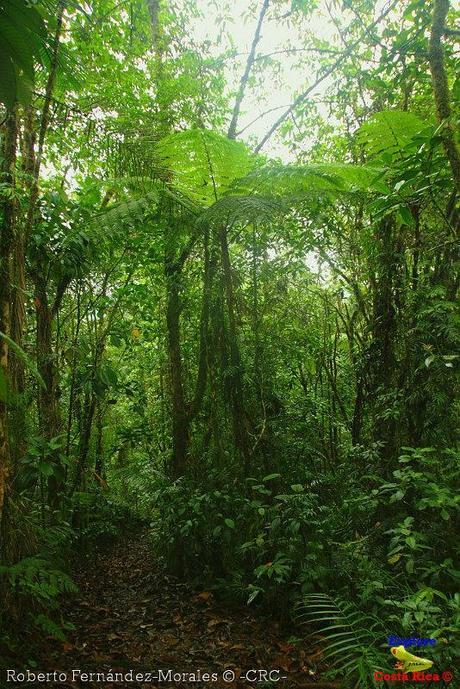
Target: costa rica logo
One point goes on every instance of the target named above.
(409, 662)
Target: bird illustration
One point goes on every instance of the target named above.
(408, 662)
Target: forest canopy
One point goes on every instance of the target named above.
(229, 274)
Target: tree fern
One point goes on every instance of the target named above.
(350, 637)
(203, 164)
(133, 211)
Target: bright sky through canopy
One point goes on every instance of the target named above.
(280, 40)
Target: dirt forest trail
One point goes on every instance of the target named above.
(130, 615)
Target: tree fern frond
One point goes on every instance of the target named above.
(327, 179)
(203, 163)
(127, 213)
(244, 209)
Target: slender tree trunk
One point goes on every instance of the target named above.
(6, 246)
(44, 122)
(49, 417)
(91, 399)
(73, 379)
(16, 364)
(18, 311)
(202, 375)
(357, 421)
(88, 417)
(245, 77)
(99, 464)
(384, 333)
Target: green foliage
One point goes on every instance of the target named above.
(328, 179)
(101, 520)
(37, 581)
(244, 209)
(128, 213)
(388, 132)
(427, 488)
(23, 40)
(41, 461)
(19, 352)
(258, 358)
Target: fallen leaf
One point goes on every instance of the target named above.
(284, 662)
(215, 621)
(205, 595)
(286, 648)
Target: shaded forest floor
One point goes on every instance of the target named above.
(129, 614)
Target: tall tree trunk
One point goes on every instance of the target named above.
(357, 420)
(99, 463)
(203, 364)
(441, 87)
(383, 360)
(48, 405)
(48, 402)
(44, 122)
(180, 421)
(6, 246)
(16, 364)
(89, 409)
(18, 292)
(236, 378)
(246, 74)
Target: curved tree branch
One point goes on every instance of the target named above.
(244, 79)
(304, 95)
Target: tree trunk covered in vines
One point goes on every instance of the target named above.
(235, 373)
(180, 423)
(384, 327)
(441, 87)
(49, 412)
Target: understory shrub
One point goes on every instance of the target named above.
(275, 542)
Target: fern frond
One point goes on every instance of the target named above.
(127, 213)
(314, 180)
(203, 164)
(354, 649)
